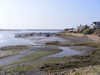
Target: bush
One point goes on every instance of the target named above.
(88, 31)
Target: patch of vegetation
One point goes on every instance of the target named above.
(77, 73)
(60, 64)
(57, 43)
(16, 70)
(21, 67)
(17, 47)
(39, 54)
(72, 62)
(89, 44)
(12, 50)
(53, 43)
(87, 31)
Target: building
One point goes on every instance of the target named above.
(92, 26)
(70, 30)
(97, 25)
(82, 27)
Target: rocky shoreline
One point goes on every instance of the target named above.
(78, 65)
(65, 65)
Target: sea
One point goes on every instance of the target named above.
(7, 37)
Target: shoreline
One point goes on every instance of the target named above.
(93, 37)
(65, 64)
(79, 62)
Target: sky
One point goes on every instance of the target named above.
(47, 14)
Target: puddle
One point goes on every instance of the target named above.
(67, 52)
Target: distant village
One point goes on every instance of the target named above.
(94, 28)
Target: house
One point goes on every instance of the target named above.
(96, 24)
(92, 26)
(70, 30)
(82, 27)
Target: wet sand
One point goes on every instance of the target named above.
(66, 51)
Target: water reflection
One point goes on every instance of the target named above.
(66, 51)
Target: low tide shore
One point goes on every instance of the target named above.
(38, 62)
(82, 63)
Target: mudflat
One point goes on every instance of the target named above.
(40, 60)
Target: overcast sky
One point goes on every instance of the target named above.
(48, 14)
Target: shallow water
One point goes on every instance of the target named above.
(15, 58)
(8, 38)
(66, 51)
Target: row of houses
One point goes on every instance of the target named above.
(94, 25)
